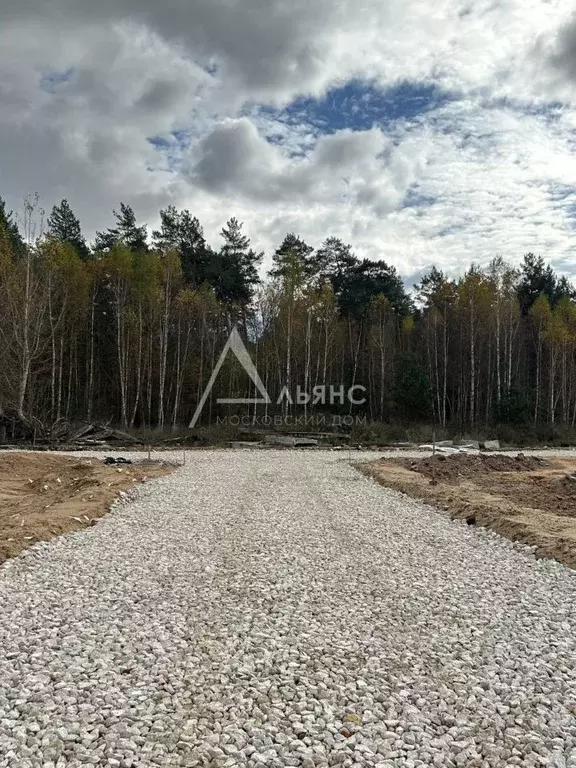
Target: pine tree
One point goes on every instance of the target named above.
(367, 279)
(65, 227)
(332, 262)
(126, 232)
(292, 252)
(430, 286)
(181, 232)
(8, 224)
(536, 279)
(564, 290)
(234, 273)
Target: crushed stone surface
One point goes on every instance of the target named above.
(280, 609)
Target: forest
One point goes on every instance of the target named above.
(127, 330)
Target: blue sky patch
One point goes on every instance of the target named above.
(563, 196)
(359, 106)
(175, 141)
(550, 110)
(159, 142)
(50, 81)
(171, 146)
(415, 199)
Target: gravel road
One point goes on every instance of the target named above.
(279, 609)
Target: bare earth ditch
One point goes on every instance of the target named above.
(525, 498)
(45, 495)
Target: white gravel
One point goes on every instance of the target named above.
(279, 609)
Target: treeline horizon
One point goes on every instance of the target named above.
(128, 330)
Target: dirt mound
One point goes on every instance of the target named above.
(522, 497)
(461, 465)
(43, 495)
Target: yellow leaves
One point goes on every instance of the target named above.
(565, 310)
(541, 311)
(555, 331)
(326, 301)
(146, 278)
(475, 292)
(408, 324)
(59, 256)
(195, 302)
(185, 300)
(170, 266)
(380, 305)
(558, 332)
(557, 325)
(6, 256)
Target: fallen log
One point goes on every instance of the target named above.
(80, 433)
(117, 434)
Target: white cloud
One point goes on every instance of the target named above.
(84, 86)
(270, 50)
(489, 181)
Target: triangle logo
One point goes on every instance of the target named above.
(237, 346)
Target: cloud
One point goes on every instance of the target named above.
(235, 158)
(355, 168)
(471, 184)
(269, 50)
(85, 135)
(564, 57)
(263, 45)
(417, 132)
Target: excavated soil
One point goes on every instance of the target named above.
(453, 466)
(525, 498)
(44, 495)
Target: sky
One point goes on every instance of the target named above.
(422, 133)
